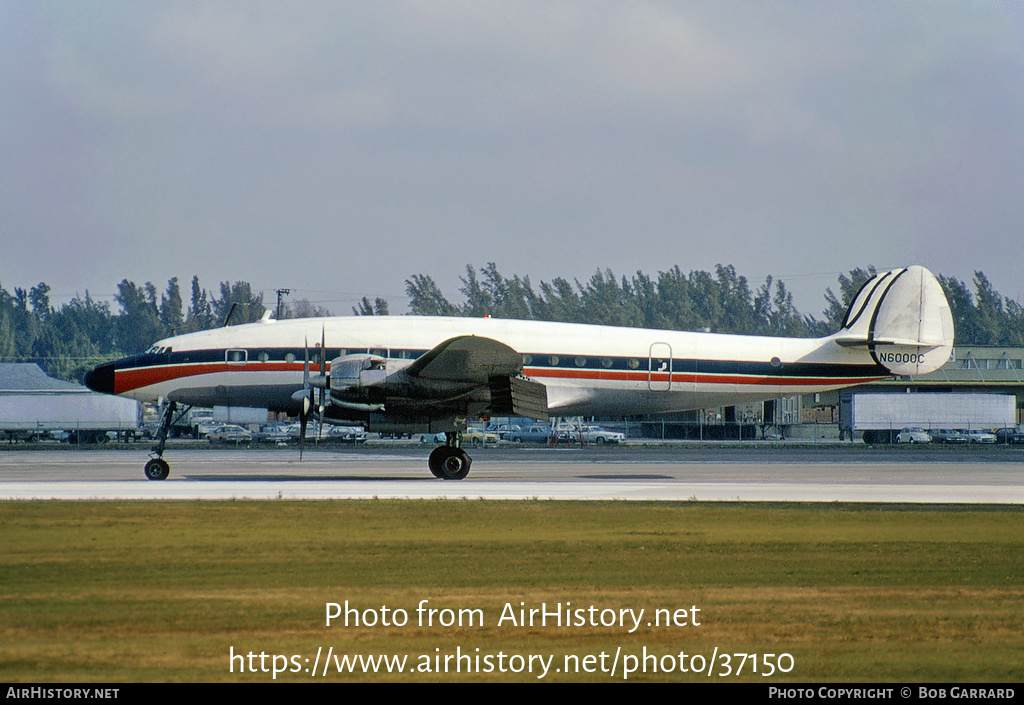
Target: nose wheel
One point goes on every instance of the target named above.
(157, 469)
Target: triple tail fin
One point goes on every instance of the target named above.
(903, 319)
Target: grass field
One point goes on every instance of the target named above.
(118, 592)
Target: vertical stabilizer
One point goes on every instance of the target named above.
(903, 319)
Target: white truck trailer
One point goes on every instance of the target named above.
(33, 405)
(881, 416)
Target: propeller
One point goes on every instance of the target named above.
(322, 381)
(308, 383)
(307, 401)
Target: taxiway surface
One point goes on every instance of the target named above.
(852, 473)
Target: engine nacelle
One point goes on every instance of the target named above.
(357, 381)
(353, 371)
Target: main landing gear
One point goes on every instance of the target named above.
(447, 462)
(450, 462)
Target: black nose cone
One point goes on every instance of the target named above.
(101, 379)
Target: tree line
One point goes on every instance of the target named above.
(69, 340)
(719, 302)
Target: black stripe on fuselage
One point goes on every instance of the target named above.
(255, 356)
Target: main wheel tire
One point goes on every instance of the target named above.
(434, 461)
(456, 466)
(157, 469)
(448, 463)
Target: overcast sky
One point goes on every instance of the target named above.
(337, 148)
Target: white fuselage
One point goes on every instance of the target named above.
(587, 369)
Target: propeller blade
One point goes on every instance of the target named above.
(305, 369)
(303, 421)
(323, 372)
(306, 398)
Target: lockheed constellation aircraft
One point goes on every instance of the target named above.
(424, 374)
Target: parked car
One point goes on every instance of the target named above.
(229, 433)
(533, 434)
(913, 435)
(949, 435)
(273, 433)
(1013, 434)
(471, 436)
(505, 430)
(601, 436)
(203, 428)
(596, 434)
(313, 430)
(477, 437)
(346, 434)
(976, 435)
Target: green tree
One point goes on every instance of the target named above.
(138, 325)
(479, 302)
(848, 288)
(40, 298)
(736, 309)
(961, 306)
(606, 300)
(675, 306)
(200, 314)
(248, 307)
(512, 298)
(171, 316)
(426, 299)
(379, 307)
(989, 315)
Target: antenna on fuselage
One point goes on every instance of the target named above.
(227, 319)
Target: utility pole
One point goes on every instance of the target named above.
(280, 293)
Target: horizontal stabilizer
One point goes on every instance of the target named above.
(903, 319)
(864, 342)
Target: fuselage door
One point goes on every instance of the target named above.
(659, 367)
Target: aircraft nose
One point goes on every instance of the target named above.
(101, 378)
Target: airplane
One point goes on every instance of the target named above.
(413, 374)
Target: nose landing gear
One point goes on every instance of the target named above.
(158, 468)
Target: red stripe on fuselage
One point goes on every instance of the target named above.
(692, 377)
(128, 380)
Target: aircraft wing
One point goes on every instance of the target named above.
(481, 361)
(467, 358)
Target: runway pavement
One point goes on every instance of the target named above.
(829, 473)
